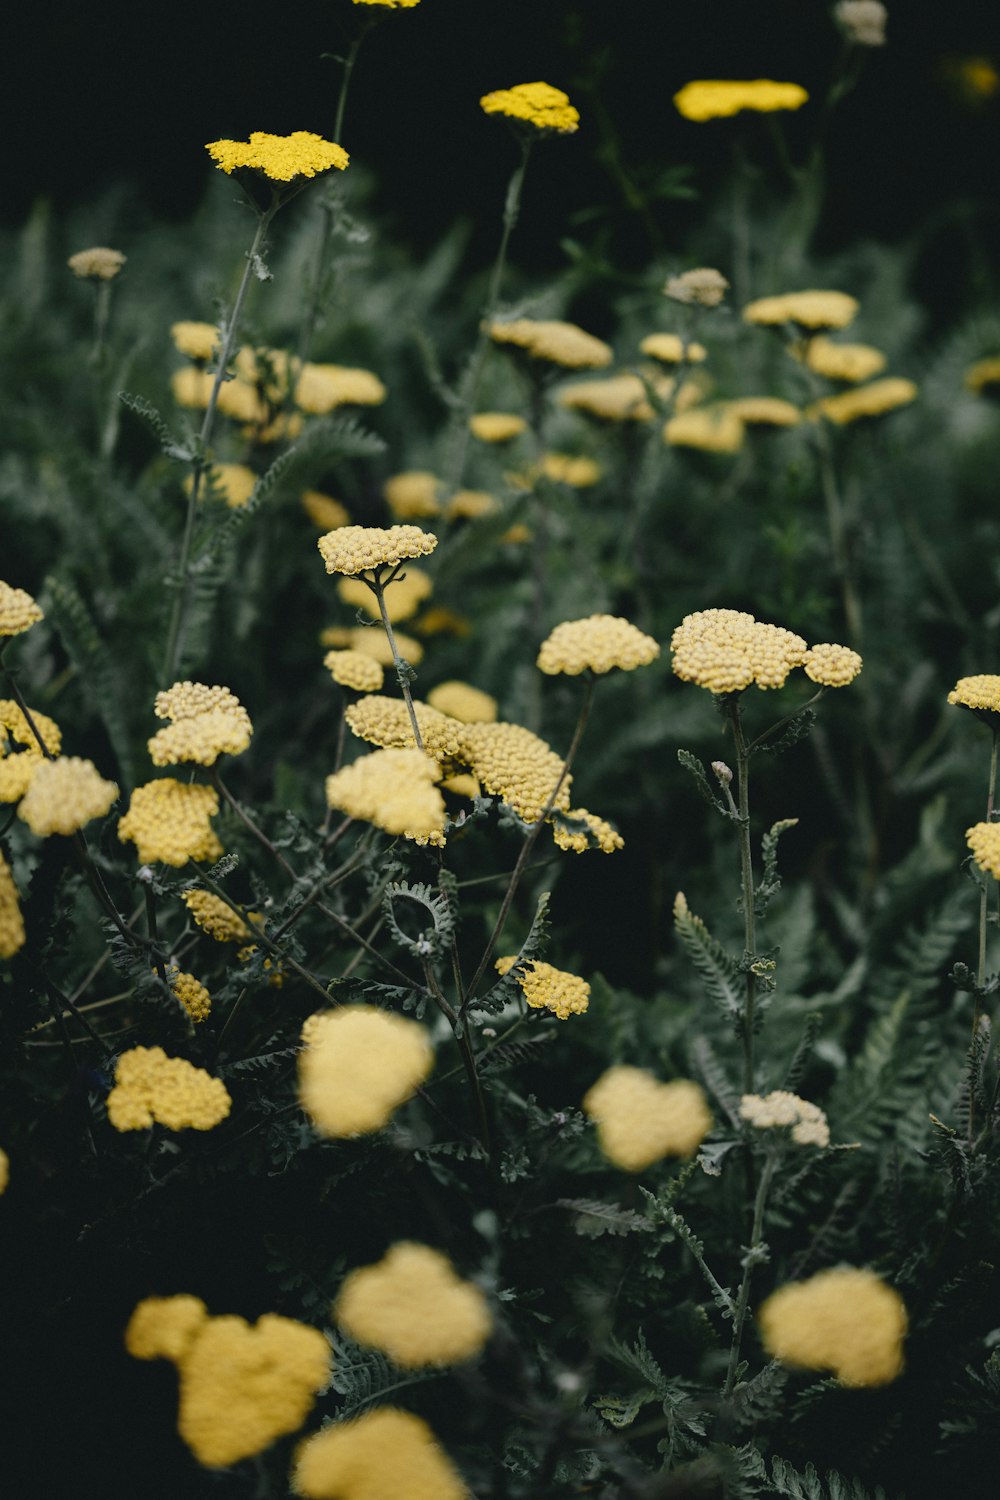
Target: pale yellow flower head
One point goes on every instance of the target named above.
(165, 1327)
(191, 993)
(214, 917)
(579, 830)
(831, 665)
(98, 263)
(462, 701)
(196, 340)
(322, 388)
(168, 820)
(496, 426)
(765, 411)
(390, 4)
(14, 720)
(671, 349)
(725, 650)
(565, 468)
(620, 398)
(597, 644)
(403, 596)
(413, 494)
(395, 789)
(280, 157)
(548, 988)
(715, 99)
(18, 611)
(152, 1087)
(714, 429)
(863, 21)
(556, 342)
(640, 1120)
(984, 373)
(536, 104)
(865, 401)
(12, 932)
(704, 286)
(415, 1308)
(4, 1164)
(359, 1067)
(234, 483)
(361, 549)
(192, 387)
(807, 309)
(851, 362)
(380, 1454)
(782, 1110)
(984, 841)
(64, 795)
(981, 694)
(469, 505)
(386, 722)
(372, 641)
(323, 511)
(515, 765)
(354, 670)
(844, 1320)
(206, 722)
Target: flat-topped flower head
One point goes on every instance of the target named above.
(64, 795)
(808, 309)
(462, 701)
(281, 158)
(496, 426)
(850, 362)
(640, 1120)
(386, 722)
(396, 790)
(191, 993)
(12, 932)
(554, 341)
(384, 1452)
(984, 841)
(152, 1087)
(359, 1067)
(469, 505)
(704, 286)
(539, 105)
(168, 820)
(671, 349)
(597, 644)
(548, 988)
(981, 694)
(714, 429)
(725, 650)
(845, 1320)
(213, 916)
(831, 665)
(765, 411)
(872, 400)
(322, 388)
(620, 398)
(373, 642)
(18, 611)
(389, 4)
(515, 765)
(403, 596)
(413, 495)
(354, 670)
(206, 722)
(781, 1110)
(415, 1308)
(863, 21)
(97, 263)
(579, 830)
(366, 549)
(197, 340)
(717, 98)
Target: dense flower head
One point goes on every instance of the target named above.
(597, 644)
(579, 830)
(197, 340)
(640, 1120)
(619, 398)
(64, 794)
(808, 309)
(384, 1452)
(403, 596)
(765, 411)
(164, 1327)
(548, 988)
(324, 511)
(780, 1110)
(413, 494)
(537, 104)
(168, 820)
(515, 765)
(18, 611)
(214, 917)
(715, 429)
(395, 789)
(852, 362)
(556, 342)
(462, 701)
(206, 722)
(390, 4)
(98, 263)
(863, 21)
(191, 993)
(372, 641)
(386, 722)
(322, 388)
(578, 471)
(354, 670)
(725, 650)
(150, 1086)
(359, 1067)
(12, 932)
(496, 426)
(703, 286)
(984, 841)
(363, 549)
(845, 1320)
(16, 770)
(15, 721)
(415, 1308)
(865, 400)
(980, 693)
(831, 665)
(192, 387)
(279, 157)
(715, 99)
(469, 505)
(985, 372)
(671, 349)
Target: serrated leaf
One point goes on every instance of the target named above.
(694, 768)
(595, 1218)
(718, 969)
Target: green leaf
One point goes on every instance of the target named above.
(694, 768)
(718, 969)
(595, 1218)
(770, 880)
(147, 412)
(95, 664)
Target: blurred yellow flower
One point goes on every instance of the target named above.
(403, 596)
(853, 362)
(64, 794)
(670, 348)
(383, 1453)
(844, 1320)
(12, 933)
(865, 401)
(322, 388)
(359, 1066)
(640, 1120)
(812, 309)
(395, 789)
(462, 701)
(714, 99)
(197, 340)
(323, 511)
(714, 429)
(414, 1307)
(765, 411)
(537, 104)
(983, 373)
(556, 342)
(98, 263)
(354, 670)
(496, 426)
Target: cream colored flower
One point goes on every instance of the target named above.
(65, 794)
(597, 644)
(360, 1066)
(414, 1307)
(18, 611)
(361, 549)
(845, 1320)
(640, 1120)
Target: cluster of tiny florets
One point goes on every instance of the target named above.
(765, 411)
(462, 701)
(640, 1120)
(704, 286)
(214, 917)
(851, 362)
(12, 933)
(414, 1307)
(279, 157)
(323, 510)
(168, 820)
(360, 549)
(780, 1109)
(865, 401)
(725, 650)
(206, 722)
(386, 722)
(322, 388)
(354, 670)
(384, 1452)
(671, 349)
(191, 993)
(18, 611)
(548, 988)
(845, 1320)
(714, 429)
(619, 398)
(716, 99)
(813, 309)
(15, 721)
(374, 642)
(359, 1066)
(395, 789)
(832, 665)
(496, 426)
(515, 765)
(984, 841)
(196, 340)
(96, 263)
(864, 21)
(579, 830)
(413, 495)
(980, 693)
(64, 794)
(554, 341)
(150, 1086)
(597, 644)
(537, 104)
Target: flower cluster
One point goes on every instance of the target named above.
(191, 993)
(354, 670)
(395, 789)
(150, 1086)
(364, 549)
(462, 701)
(980, 693)
(845, 1320)
(11, 922)
(620, 398)
(496, 426)
(322, 388)
(386, 722)
(725, 650)
(206, 722)
(780, 1109)
(414, 1307)
(704, 286)
(715, 429)
(18, 769)
(556, 342)
(579, 830)
(536, 104)
(640, 1120)
(168, 820)
(198, 341)
(984, 841)
(808, 309)
(280, 157)
(671, 349)
(323, 510)
(213, 916)
(373, 643)
(97, 263)
(64, 794)
(864, 21)
(359, 1066)
(865, 400)
(851, 362)
(831, 665)
(241, 1385)
(765, 411)
(548, 988)
(516, 766)
(714, 99)
(413, 495)
(984, 373)
(597, 644)
(384, 1452)
(18, 611)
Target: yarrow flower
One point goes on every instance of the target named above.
(214, 917)
(515, 765)
(373, 643)
(671, 349)
(354, 670)
(579, 830)
(413, 495)
(17, 769)
(322, 388)
(845, 1320)
(984, 373)
(197, 340)
(390, 4)
(714, 99)
(150, 1086)
(415, 1308)
(981, 694)
(554, 341)
(462, 701)
(241, 1385)
(831, 665)
(598, 644)
(64, 794)
(366, 549)
(386, 722)
(12, 932)
(807, 309)
(18, 611)
(725, 650)
(865, 401)
(384, 1452)
(206, 722)
(191, 993)
(548, 988)
(715, 429)
(863, 21)
(780, 1109)
(852, 362)
(496, 426)
(395, 789)
(536, 104)
(168, 820)
(703, 286)
(98, 263)
(640, 1120)
(765, 411)
(984, 841)
(280, 157)
(359, 1066)
(468, 505)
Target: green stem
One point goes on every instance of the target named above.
(983, 896)
(377, 584)
(746, 881)
(743, 1297)
(467, 1053)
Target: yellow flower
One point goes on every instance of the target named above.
(462, 785)
(354, 670)
(382, 1453)
(191, 993)
(984, 841)
(547, 988)
(713, 99)
(780, 1109)
(96, 264)
(279, 157)
(556, 342)
(168, 820)
(197, 340)
(459, 700)
(372, 641)
(537, 104)
(206, 722)
(213, 916)
(981, 694)
(14, 719)
(360, 549)
(150, 1086)
(865, 401)
(621, 398)
(845, 1320)
(386, 722)
(18, 611)
(390, 4)
(414, 1307)
(835, 361)
(4, 1161)
(321, 388)
(704, 286)
(12, 932)
(640, 1120)
(765, 411)
(192, 387)
(164, 1327)
(808, 309)
(715, 429)
(671, 349)
(403, 596)
(361, 1066)
(469, 505)
(323, 511)
(412, 494)
(515, 765)
(579, 830)
(831, 665)
(65, 794)
(725, 650)
(597, 643)
(439, 620)
(496, 426)
(394, 789)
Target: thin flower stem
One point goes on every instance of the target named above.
(743, 1297)
(983, 897)
(746, 882)
(468, 1055)
(154, 937)
(377, 585)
